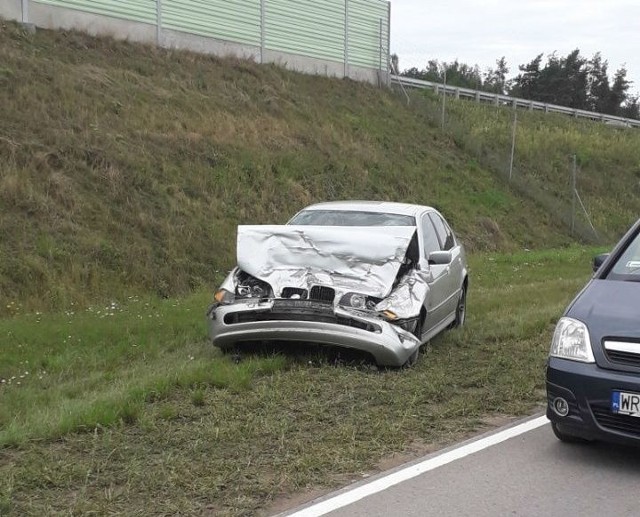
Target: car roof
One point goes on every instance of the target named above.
(383, 207)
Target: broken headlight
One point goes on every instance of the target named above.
(359, 301)
(248, 286)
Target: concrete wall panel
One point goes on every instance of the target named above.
(51, 17)
(305, 64)
(205, 45)
(333, 38)
(11, 10)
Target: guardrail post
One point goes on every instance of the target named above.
(496, 100)
(457, 93)
(478, 97)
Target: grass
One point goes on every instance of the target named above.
(607, 159)
(124, 169)
(171, 426)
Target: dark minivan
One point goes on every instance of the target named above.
(593, 371)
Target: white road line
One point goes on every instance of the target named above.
(378, 485)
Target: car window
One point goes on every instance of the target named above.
(627, 267)
(429, 237)
(350, 218)
(445, 235)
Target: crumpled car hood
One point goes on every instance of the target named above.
(360, 259)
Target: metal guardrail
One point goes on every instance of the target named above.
(506, 100)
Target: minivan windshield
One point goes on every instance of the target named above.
(350, 218)
(627, 267)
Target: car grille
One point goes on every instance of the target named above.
(621, 423)
(623, 352)
(322, 294)
(290, 292)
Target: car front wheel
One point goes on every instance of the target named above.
(461, 308)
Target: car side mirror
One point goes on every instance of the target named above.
(599, 260)
(439, 258)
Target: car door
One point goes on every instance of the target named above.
(454, 272)
(437, 274)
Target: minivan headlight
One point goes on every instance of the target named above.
(571, 341)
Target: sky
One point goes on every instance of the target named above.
(480, 32)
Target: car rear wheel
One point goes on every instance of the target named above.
(564, 436)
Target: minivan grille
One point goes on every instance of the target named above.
(625, 353)
(621, 423)
(626, 358)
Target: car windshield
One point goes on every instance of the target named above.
(350, 218)
(627, 267)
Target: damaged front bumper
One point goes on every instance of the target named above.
(313, 322)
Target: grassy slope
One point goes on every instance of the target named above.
(126, 168)
(172, 427)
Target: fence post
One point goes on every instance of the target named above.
(513, 142)
(573, 194)
(444, 97)
(346, 38)
(262, 29)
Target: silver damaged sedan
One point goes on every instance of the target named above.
(380, 277)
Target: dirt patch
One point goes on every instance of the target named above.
(414, 452)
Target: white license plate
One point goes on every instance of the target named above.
(625, 403)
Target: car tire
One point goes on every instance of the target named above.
(413, 358)
(564, 436)
(461, 308)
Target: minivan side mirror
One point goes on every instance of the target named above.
(599, 260)
(439, 258)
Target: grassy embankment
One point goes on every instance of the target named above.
(123, 172)
(124, 169)
(167, 425)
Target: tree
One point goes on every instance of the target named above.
(618, 94)
(632, 108)
(495, 81)
(598, 86)
(454, 74)
(526, 84)
(395, 64)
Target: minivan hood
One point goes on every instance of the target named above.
(359, 259)
(609, 308)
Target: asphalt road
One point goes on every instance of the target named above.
(531, 474)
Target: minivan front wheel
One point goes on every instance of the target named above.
(565, 437)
